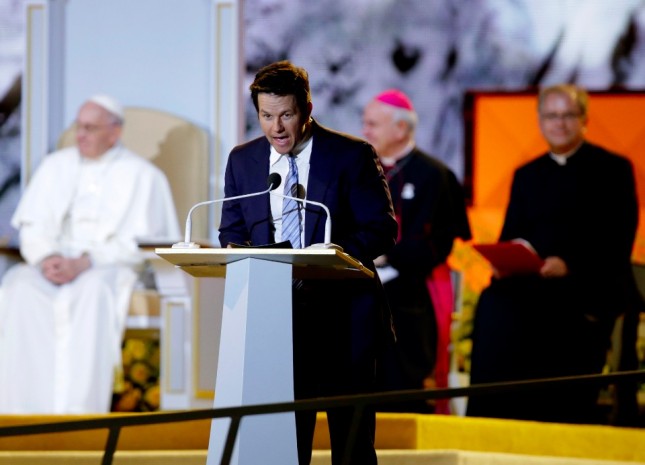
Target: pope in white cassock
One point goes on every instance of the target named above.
(62, 313)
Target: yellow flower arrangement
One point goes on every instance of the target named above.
(137, 389)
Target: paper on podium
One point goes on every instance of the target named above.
(511, 257)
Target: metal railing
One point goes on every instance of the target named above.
(358, 402)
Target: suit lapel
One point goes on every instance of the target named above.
(320, 173)
(261, 206)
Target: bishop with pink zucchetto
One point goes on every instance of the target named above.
(431, 212)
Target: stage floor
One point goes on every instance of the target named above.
(416, 434)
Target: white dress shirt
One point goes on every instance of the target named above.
(280, 164)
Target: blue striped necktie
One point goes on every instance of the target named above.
(291, 221)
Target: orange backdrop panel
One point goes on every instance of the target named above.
(503, 133)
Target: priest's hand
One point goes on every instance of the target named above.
(554, 267)
(62, 270)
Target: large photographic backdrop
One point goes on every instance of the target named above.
(436, 50)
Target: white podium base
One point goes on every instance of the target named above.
(256, 363)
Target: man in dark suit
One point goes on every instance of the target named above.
(577, 206)
(431, 212)
(338, 325)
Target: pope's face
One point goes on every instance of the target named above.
(281, 121)
(96, 130)
(561, 123)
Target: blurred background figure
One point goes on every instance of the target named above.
(577, 206)
(62, 313)
(431, 212)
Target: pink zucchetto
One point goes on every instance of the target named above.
(395, 98)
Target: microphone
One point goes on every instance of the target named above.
(327, 244)
(273, 181)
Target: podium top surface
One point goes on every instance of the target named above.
(307, 263)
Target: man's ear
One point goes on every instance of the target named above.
(401, 127)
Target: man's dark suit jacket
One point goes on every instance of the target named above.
(338, 324)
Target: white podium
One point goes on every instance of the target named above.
(256, 348)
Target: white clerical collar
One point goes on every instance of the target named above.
(391, 161)
(562, 158)
(559, 159)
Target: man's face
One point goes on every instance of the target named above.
(96, 130)
(561, 123)
(380, 130)
(281, 121)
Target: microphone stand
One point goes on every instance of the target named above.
(187, 243)
(327, 244)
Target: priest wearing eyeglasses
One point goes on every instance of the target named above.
(577, 206)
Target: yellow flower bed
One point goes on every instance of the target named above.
(137, 386)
